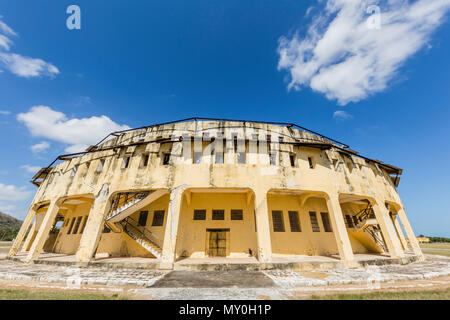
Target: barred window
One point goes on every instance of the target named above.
(199, 214)
(326, 222)
(77, 225)
(277, 219)
(314, 222)
(142, 221)
(237, 214)
(218, 214)
(294, 221)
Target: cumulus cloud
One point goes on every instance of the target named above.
(13, 199)
(18, 64)
(341, 115)
(78, 134)
(342, 58)
(12, 193)
(42, 146)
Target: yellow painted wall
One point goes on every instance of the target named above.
(68, 243)
(192, 234)
(305, 242)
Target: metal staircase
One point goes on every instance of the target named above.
(125, 200)
(365, 221)
(141, 235)
(118, 219)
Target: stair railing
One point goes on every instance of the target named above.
(143, 232)
(122, 198)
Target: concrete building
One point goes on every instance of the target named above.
(203, 188)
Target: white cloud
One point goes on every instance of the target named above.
(11, 193)
(20, 65)
(44, 122)
(341, 115)
(31, 169)
(42, 146)
(14, 200)
(5, 112)
(342, 58)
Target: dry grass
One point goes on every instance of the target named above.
(389, 295)
(4, 246)
(439, 248)
(29, 294)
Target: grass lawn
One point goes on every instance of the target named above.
(4, 246)
(399, 295)
(440, 248)
(22, 294)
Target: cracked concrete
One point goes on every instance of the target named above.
(212, 285)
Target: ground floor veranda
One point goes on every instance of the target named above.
(282, 262)
(204, 228)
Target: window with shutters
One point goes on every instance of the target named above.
(294, 221)
(237, 214)
(277, 220)
(199, 214)
(142, 221)
(218, 214)
(326, 222)
(158, 218)
(314, 222)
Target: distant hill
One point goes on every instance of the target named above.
(7, 222)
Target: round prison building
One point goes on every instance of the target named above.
(216, 191)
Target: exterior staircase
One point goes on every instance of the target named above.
(118, 219)
(141, 236)
(366, 222)
(125, 200)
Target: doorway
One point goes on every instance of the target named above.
(217, 245)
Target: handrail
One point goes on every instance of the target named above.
(134, 195)
(126, 223)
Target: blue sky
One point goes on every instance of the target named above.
(136, 63)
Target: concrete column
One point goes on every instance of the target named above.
(170, 234)
(340, 231)
(94, 227)
(400, 232)
(23, 229)
(387, 229)
(410, 233)
(263, 226)
(42, 235)
(30, 237)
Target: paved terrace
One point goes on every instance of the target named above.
(230, 284)
(283, 262)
